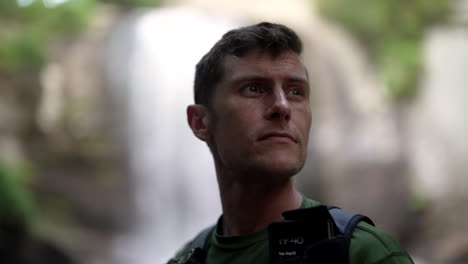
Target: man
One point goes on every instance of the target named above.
(252, 109)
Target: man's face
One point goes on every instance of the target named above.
(261, 115)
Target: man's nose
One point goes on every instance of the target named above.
(279, 106)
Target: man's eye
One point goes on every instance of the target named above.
(296, 92)
(253, 88)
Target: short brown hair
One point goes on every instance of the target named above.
(269, 37)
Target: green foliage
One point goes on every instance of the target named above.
(392, 31)
(134, 3)
(418, 203)
(15, 202)
(27, 30)
(21, 50)
(400, 63)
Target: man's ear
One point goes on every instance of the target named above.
(198, 118)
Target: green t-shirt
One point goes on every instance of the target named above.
(369, 245)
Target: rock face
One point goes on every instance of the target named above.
(356, 145)
(58, 122)
(437, 126)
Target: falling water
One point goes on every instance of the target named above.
(152, 63)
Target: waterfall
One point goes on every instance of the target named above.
(152, 65)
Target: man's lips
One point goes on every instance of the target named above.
(278, 135)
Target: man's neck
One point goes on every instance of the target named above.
(249, 208)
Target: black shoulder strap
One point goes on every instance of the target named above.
(201, 240)
(195, 251)
(346, 222)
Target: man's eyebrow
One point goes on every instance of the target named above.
(298, 79)
(249, 78)
(257, 78)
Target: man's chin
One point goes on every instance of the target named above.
(284, 171)
(281, 168)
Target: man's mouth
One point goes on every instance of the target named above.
(278, 135)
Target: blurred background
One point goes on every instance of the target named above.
(97, 164)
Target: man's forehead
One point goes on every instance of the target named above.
(262, 64)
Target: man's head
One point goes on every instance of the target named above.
(252, 102)
(270, 38)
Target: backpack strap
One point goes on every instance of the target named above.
(202, 239)
(195, 251)
(346, 222)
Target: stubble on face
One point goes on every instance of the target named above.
(247, 139)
